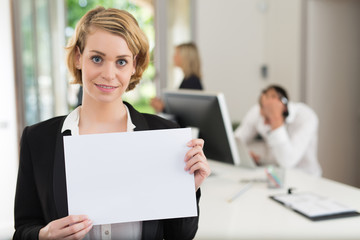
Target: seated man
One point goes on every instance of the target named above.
(288, 129)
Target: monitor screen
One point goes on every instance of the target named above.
(208, 113)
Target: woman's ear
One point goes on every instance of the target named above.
(134, 65)
(78, 58)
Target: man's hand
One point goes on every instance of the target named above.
(272, 110)
(255, 157)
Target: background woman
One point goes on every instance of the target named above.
(187, 58)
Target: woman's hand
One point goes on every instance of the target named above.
(196, 162)
(70, 227)
(157, 104)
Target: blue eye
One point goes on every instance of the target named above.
(122, 62)
(96, 59)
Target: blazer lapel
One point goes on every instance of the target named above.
(60, 192)
(137, 118)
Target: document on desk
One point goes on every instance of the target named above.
(314, 206)
(130, 176)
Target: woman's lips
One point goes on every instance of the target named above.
(105, 88)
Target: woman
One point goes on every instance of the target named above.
(187, 58)
(107, 55)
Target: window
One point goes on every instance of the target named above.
(34, 61)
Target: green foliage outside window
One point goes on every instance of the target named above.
(139, 97)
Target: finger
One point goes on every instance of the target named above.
(61, 226)
(197, 158)
(193, 152)
(192, 161)
(196, 142)
(57, 227)
(80, 234)
(77, 227)
(72, 219)
(200, 168)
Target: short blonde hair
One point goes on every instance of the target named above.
(115, 21)
(190, 59)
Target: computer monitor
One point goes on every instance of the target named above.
(207, 112)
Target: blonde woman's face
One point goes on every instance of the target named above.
(177, 58)
(106, 65)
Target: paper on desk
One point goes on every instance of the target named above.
(313, 205)
(131, 176)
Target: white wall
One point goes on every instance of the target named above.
(8, 131)
(333, 84)
(236, 37)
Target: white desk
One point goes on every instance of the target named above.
(254, 216)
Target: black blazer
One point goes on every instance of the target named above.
(41, 195)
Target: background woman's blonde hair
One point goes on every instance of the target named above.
(190, 59)
(118, 22)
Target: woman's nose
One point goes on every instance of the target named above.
(108, 72)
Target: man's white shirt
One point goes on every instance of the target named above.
(293, 145)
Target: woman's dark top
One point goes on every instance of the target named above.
(192, 82)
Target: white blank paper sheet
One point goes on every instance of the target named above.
(131, 176)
